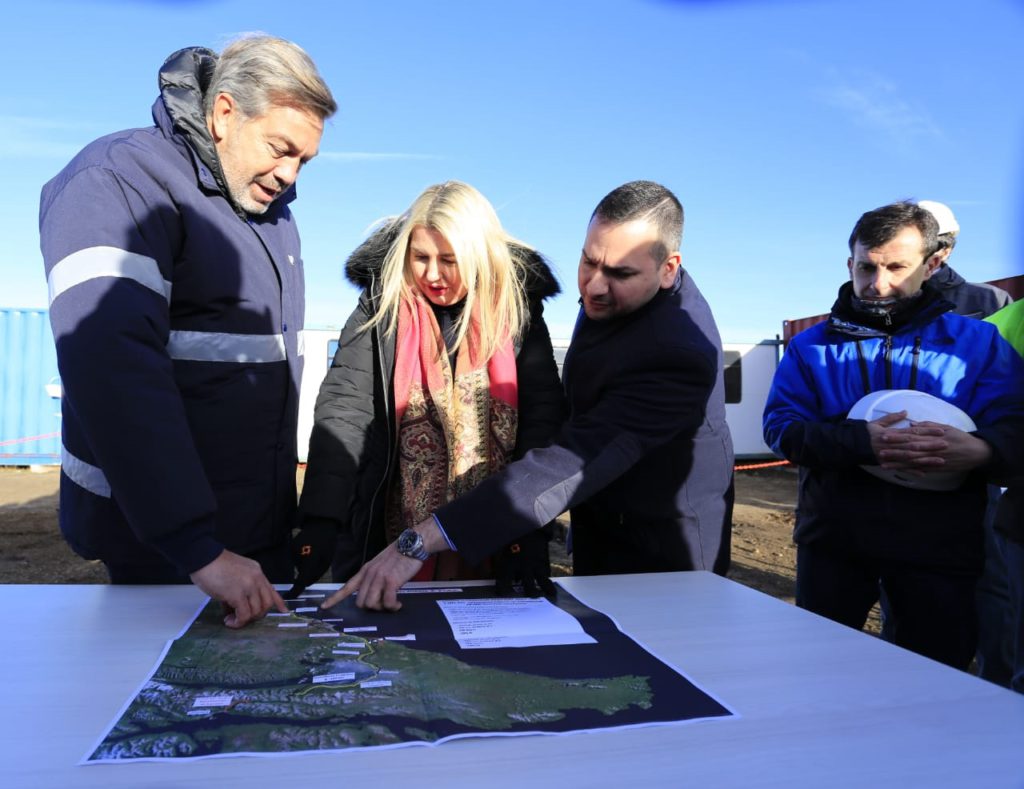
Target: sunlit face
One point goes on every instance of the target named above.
(431, 262)
(617, 273)
(261, 157)
(892, 271)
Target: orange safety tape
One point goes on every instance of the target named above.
(761, 465)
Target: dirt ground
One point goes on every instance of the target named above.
(32, 551)
(763, 555)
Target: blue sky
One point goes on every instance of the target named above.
(776, 122)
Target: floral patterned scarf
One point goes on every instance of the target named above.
(455, 428)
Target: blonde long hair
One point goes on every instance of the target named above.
(492, 264)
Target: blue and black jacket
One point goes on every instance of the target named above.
(829, 367)
(178, 320)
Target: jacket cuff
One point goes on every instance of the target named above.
(456, 515)
(190, 549)
(1007, 454)
(860, 442)
(447, 539)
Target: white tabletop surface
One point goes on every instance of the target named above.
(819, 705)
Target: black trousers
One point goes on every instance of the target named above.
(611, 543)
(932, 610)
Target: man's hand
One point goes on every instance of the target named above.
(244, 592)
(910, 443)
(379, 580)
(525, 561)
(930, 446)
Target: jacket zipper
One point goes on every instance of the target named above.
(888, 359)
(916, 353)
(863, 365)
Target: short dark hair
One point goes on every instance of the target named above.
(879, 227)
(645, 200)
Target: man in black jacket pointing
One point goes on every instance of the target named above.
(644, 462)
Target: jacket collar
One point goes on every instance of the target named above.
(946, 278)
(845, 319)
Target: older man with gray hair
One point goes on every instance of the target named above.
(176, 300)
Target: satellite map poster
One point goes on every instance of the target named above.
(453, 662)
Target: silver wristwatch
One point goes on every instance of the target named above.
(410, 544)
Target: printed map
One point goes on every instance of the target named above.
(342, 678)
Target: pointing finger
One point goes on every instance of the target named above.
(347, 589)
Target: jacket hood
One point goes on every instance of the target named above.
(183, 81)
(364, 265)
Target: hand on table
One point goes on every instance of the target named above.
(378, 581)
(239, 584)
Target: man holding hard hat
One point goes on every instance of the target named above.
(912, 521)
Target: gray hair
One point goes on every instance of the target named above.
(259, 71)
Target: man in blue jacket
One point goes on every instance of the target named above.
(644, 463)
(889, 329)
(176, 300)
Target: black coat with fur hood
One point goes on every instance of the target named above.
(352, 446)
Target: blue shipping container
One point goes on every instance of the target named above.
(29, 390)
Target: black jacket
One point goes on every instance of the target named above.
(351, 449)
(970, 299)
(646, 441)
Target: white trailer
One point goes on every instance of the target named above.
(749, 368)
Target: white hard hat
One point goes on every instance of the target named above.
(920, 407)
(943, 215)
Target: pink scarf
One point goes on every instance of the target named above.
(454, 430)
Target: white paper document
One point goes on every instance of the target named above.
(517, 622)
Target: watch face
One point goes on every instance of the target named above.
(409, 542)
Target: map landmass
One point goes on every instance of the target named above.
(299, 683)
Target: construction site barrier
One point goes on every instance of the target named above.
(761, 465)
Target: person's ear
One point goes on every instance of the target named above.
(669, 268)
(221, 116)
(931, 265)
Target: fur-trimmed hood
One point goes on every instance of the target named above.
(364, 265)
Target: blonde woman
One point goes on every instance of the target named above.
(444, 373)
